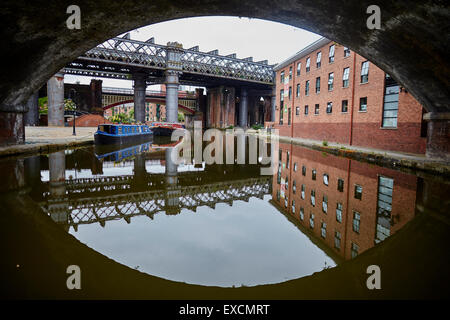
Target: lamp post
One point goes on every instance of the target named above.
(73, 111)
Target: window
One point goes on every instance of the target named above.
(365, 72)
(306, 110)
(354, 251)
(316, 109)
(356, 221)
(390, 104)
(344, 105)
(325, 204)
(278, 195)
(302, 213)
(280, 155)
(346, 52)
(286, 184)
(293, 206)
(340, 185)
(303, 192)
(303, 170)
(331, 54)
(337, 239)
(345, 78)
(297, 111)
(363, 104)
(297, 92)
(339, 212)
(384, 208)
(358, 192)
(279, 173)
(318, 85)
(286, 202)
(313, 198)
(295, 167)
(325, 179)
(329, 107)
(290, 73)
(319, 59)
(330, 81)
(299, 68)
(287, 159)
(308, 64)
(313, 174)
(282, 95)
(294, 187)
(307, 88)
(282, 77)
(323, 229)
(290, 93)
(311, 220)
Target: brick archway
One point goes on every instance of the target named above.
(411, 45)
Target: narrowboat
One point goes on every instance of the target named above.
(165, 128)
(122, 133)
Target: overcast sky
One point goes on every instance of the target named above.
(260, 39)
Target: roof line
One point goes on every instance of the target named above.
(303, 52)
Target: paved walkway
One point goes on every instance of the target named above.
(46, 139)
(377, 156)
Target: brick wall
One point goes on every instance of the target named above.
(336, 126)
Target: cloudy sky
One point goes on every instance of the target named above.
(260, 39)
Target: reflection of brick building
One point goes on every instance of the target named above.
(153, 111)
(327, 92)
(348, 205)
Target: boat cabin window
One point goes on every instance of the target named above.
(105, 128)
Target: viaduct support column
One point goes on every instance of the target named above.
(438, 136)
(32, 116)
(55, 93)
(243, 108)
(140, 85)
(173, 71)
(172, 96)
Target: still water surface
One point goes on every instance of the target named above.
(222, 225)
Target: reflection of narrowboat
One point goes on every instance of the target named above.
(165, 128)
(122, 133)
(111, 153)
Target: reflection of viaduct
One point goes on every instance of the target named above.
(100, 199)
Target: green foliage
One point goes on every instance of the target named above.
(121, 118)
(180, 116)
(325, 143)
(69, 104)
(257, 126)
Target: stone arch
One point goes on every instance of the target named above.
(412, 44)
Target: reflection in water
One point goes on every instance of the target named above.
(346, 205)
(111, 200)
(221, 224)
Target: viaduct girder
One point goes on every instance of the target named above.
(121, 57)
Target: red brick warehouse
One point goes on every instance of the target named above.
(327, 92)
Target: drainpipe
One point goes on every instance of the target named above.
(353, 99)
(293, 99)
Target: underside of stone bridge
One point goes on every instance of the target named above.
(412, 44)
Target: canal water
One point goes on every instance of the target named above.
(221, 225)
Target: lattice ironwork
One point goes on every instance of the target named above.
(132, 53)
(130, 204)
